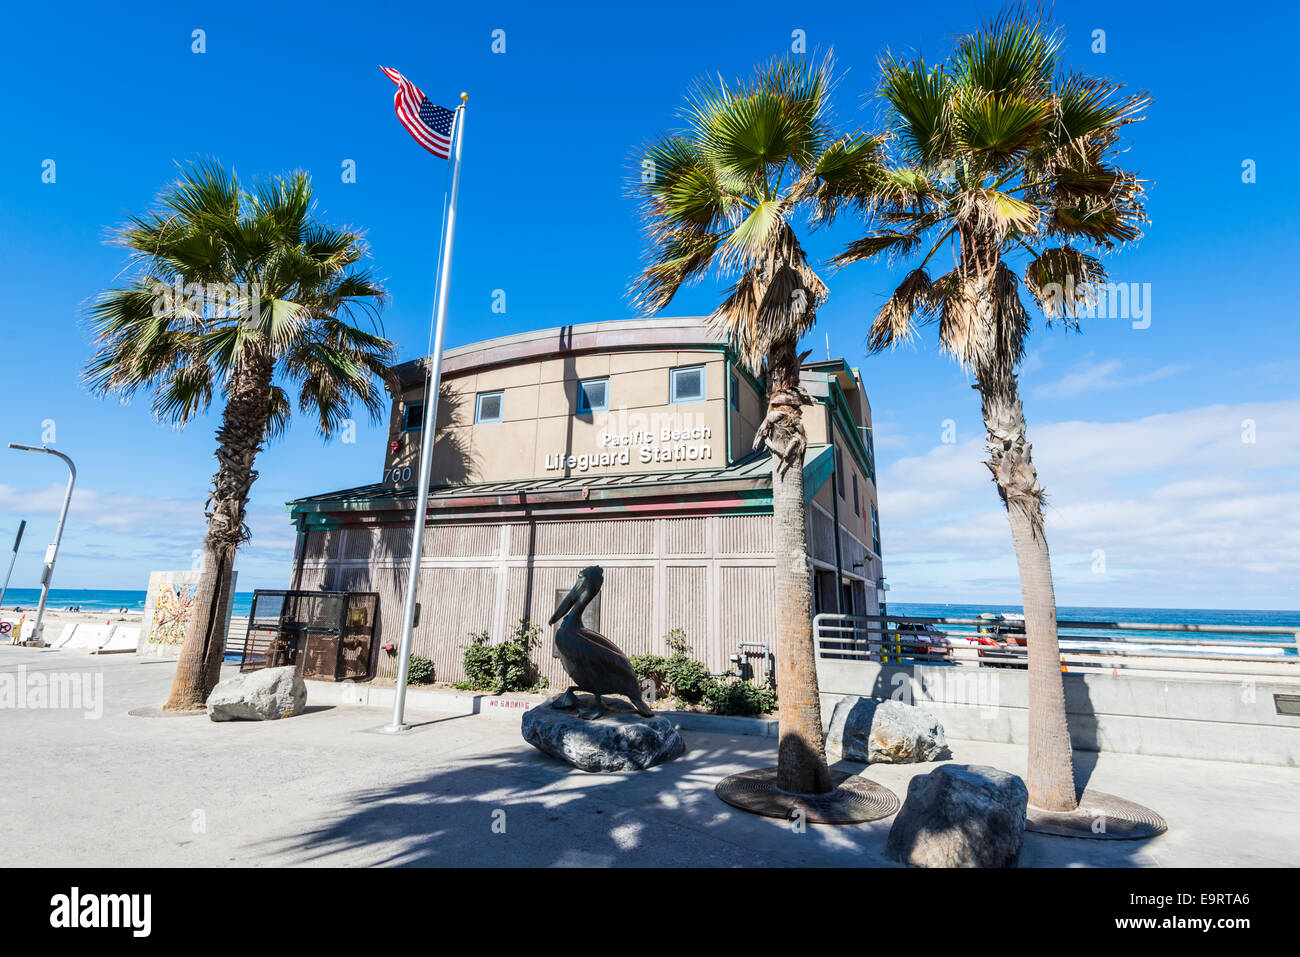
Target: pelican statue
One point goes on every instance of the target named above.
(592, 660)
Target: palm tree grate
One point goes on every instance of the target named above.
(1099, 817)
(855, 799)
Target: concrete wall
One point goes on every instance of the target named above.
(1220, 719)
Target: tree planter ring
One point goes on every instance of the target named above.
(1099, 817)
(855, 799)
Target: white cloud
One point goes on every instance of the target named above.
(114, 540)
(1089, 376)
(1185, 512)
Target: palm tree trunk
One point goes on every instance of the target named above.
(801, 748)
(1051, 773)
(243, 425)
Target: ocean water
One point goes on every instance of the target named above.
(1156, 616)
(105, 600)
(110, 600)
(1185, 616)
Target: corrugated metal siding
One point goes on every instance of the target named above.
(685, 536)
(748, 609)
(744, 534)
(391, 543)
(315, 576)
(627, 609)
(686, 606)
(323, 544)
(640, 601)
(453, 603)
(360, 542)
(460, 541)
(588, 538)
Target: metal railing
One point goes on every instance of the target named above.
(1099, 646)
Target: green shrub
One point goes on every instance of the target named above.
(478, 661)
(678, 675)
(507, 666)
(420, 670)
(739, 696)
(686, 678)
(653, 667)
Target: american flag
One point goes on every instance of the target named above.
(430, 124)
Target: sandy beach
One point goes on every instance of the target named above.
(55, 619)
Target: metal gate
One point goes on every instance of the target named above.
(324, 634)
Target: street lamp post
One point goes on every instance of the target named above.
(18, 540)
(52, 553)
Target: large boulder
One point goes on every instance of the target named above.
(259, 696)
(960, 815)
(885, 732)
(619, 740)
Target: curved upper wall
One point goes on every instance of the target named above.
(621, 335)
(518, 407)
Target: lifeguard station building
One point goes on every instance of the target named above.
(625, 444)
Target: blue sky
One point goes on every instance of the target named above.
(1155, 497)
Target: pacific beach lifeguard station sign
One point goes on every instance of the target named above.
(626, 444)
(666, 445)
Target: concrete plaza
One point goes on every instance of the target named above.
(328, 787)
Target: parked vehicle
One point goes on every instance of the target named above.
(1001, 640)
(920, 639)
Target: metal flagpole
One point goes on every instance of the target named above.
(427, 437)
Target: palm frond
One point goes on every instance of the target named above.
(921, 100)
(1012, 56)
(1062, 279)
(897, 319)
(229, 285)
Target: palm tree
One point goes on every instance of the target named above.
(1001, 156)
(722, 195)
(244, 294)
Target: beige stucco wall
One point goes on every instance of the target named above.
(541, 427)
(745, 420)
(822, 428)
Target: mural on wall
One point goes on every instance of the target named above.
(171, 616)
(168, 608)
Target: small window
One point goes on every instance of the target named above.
(413, 417)
(593, 395)
(487, 408)
(839, 472)
(875, 530)
(857, 504)
(735, 393)
(687, 384)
